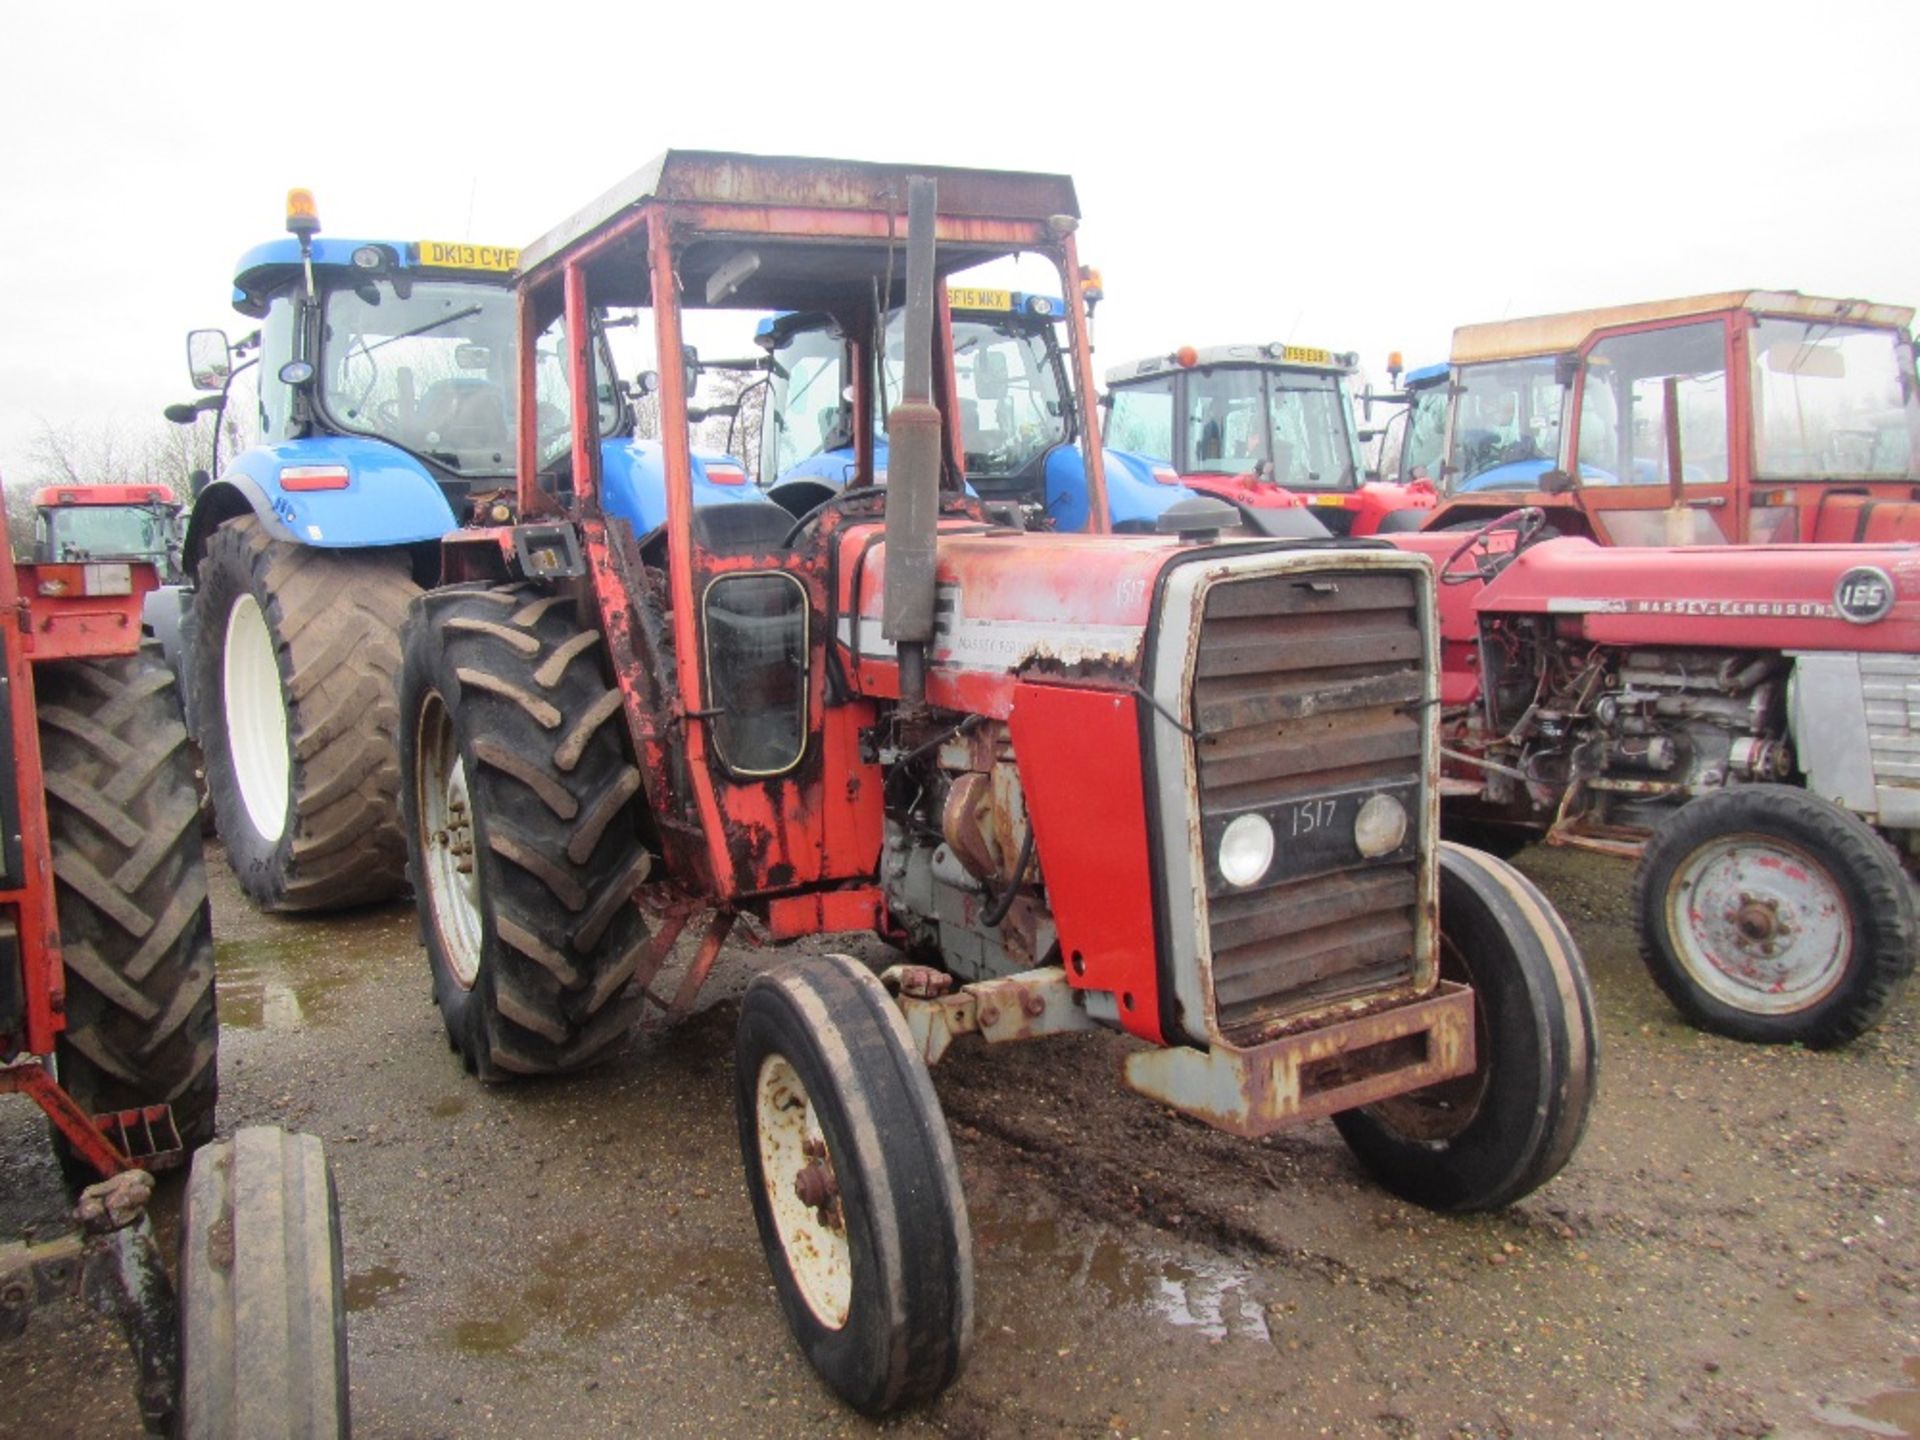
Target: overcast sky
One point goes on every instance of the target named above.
(1361, 177)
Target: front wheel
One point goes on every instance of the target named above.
(854, 1184)
(263, 1325)
(1769, 914)
(295, 652)
(1499, 1133)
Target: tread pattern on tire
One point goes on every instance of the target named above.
(1864, 862)
(335, 617)
(136, 928)
(262, 1290)
(555, 793)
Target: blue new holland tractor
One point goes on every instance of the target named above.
(387, 375)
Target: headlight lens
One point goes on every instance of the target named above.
(1246, 850)
(1380, 827)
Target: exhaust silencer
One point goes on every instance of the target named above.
(913, 464)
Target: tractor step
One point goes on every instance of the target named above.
(146, 1135)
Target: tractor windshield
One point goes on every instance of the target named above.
(426, 364)
(1426, 433)
(1833, 402)
(1012, 392)
(807, 412)
(1239, 418)
(105, 532)
(1506, 424)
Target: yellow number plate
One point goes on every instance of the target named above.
(961, 297)
(1305, 355)
(454, 255)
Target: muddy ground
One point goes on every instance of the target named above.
(1735, 1251)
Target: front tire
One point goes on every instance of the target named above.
(854, 1184)
(136, 931)
(1491, 1137)
(294, 660)
(522, 829)
(1771, 915)
(263, 1325)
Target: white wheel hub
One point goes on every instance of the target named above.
(803, 1192)
(446, 842)
(256, 715)
(1759, 924)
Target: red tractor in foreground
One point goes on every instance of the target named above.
(107, 1022)
(1740, 719)
(1173, 786)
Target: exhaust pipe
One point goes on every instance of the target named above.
(913, 465)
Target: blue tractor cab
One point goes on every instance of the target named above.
(1019, 434)
(387, 370)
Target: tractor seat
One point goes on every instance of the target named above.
(739, 529)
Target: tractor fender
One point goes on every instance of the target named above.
(633, 482)
(390, 498)
(1135, 500)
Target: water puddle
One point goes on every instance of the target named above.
(1211, 1298)
(280, 984)
(448, 1106)
(1893, 1413)
(369, 1288)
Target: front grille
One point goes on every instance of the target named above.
(1891, 686)
(1306, 702)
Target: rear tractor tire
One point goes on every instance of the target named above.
(136, 931)
(1771, 915)
(263, 1325)
(522, 825)
(854, 1185)
(1496, 1135)
(293, 661)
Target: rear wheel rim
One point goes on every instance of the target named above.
(1759, 924)
(809, 1217)
(256, 718)
(446, 843)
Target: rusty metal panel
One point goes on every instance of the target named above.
(700, 177)
(1257, 1091)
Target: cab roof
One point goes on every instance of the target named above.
(1272, 356)
(817, 227)
(276, 264)
(1557, 334)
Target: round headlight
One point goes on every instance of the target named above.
(1380, 826)
(1040, 305)
(1246, 850)
(369, 257)
(296, 372)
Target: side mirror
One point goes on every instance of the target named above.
(209, 359)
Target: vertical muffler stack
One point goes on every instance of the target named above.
(913, 466)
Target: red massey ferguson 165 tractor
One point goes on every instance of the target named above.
(1742, 719)
(107, 1022)
(1172, 786)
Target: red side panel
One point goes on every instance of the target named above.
(1079, 755)
(1866, 520)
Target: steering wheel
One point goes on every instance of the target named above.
(1526, 523)
(832, 502)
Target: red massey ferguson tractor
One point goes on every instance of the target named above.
(1749, 417)
(1171, 786)
(107, 1022)
(1743, 720)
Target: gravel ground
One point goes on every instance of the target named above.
(1735, 1251)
